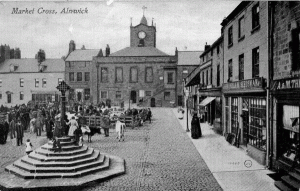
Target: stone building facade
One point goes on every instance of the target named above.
(285, 89)
(246, 35)
(24, 80)
(243, 75)
(78, 72)
(187, 62)
(140, 74)
(211, 80)
(143, 29)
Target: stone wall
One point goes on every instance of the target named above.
(286, 18)
(157, 87)
(252, 39)
(150, 35)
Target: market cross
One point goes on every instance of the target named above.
(63, 87)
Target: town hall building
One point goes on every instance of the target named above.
(140, 73)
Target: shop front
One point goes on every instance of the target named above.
(244, 116)
(285, 117)
(210, 107)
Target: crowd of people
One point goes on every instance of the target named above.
(16, 120)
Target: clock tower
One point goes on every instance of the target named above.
(143, 35)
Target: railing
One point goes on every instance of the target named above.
(97, 122)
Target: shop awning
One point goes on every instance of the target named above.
(193, 78)
(194, 81)
(207, 101)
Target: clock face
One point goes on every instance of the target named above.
(142, 34)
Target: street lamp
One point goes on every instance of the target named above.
(187, 111)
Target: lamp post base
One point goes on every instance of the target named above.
(187, 130)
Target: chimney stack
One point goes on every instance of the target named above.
(7, 51)
(206, 47)
(12, 53)
(17, 53)
(107, 51)
(41, 56)
(72, 46)
(100, 54)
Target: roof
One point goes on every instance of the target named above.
(139, 51)
(235, 12)
(189, 57)
(217, 42)
(82, 55)
(32, 65)
(144, 20)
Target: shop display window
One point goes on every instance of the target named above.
(234, 115)
(257, 123)
(245, 118)
(290, 132)
(227, 114)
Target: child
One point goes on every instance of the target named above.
(56, 144)
(120, 129)
(80, 141)
(28, 147)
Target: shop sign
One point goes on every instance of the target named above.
(285, 84)
(245, 84)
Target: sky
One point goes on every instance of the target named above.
(185, 24)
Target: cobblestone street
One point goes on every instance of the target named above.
(158, 156)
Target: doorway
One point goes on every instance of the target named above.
(152, 104)
(245, 118)
(79, 96)
(180, 100)
(133, 96)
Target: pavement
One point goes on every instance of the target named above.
(231, 166)
(162, 156)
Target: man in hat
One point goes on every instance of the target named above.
(12, 128)
(19, 131)
(6, 129)
(105, 123)
(1, 131)
(39, 123)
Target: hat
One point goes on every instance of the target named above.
(195, 113)
(57, 117)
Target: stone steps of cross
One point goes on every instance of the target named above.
(42, 175)
(95, 156)
(63, 148)
(72, 142)
(61, 169)
(45, 152)
(40, 157)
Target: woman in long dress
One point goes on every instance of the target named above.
(73, 126)
(195, 127)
